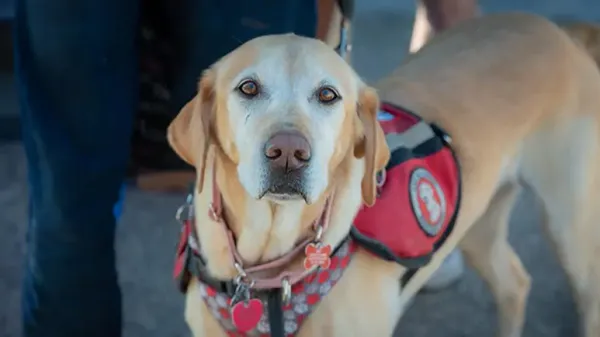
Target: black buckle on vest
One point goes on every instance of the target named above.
(442, 134)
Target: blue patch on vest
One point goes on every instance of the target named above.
(384, 116)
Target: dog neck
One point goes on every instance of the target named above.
(262, 229)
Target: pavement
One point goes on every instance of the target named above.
(147, 231)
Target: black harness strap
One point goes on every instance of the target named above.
(275, 306)
(275, 313)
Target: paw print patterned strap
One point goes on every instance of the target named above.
(305, 296)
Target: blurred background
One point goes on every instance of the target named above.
(148, 231)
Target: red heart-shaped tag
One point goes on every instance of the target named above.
(245, 316)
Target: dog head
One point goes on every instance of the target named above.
(287, 111)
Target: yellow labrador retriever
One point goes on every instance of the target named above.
(287, 145)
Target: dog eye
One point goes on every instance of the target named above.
(327, 95)
(248, 88)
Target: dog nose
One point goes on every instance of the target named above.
(288, 150)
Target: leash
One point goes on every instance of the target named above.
(347, 10)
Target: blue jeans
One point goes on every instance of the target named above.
(76, 66)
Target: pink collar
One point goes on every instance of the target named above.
(285, 278)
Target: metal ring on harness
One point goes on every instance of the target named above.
(347, 9)
(319, 234)
(189, 215)
(380, 181)
(286, 293)
(380, 178)
(241, 272)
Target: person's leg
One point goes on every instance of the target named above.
(434, 16)
(76, 68)
(444, 14)
(329, 21)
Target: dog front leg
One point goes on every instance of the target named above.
(197, 316)
(487, 249)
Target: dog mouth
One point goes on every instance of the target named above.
(284, 186)
(279, 197)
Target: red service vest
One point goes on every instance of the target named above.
(419, 193)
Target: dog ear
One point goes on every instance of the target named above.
(371, 145)
(190, 133)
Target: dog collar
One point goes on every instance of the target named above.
(285, 278)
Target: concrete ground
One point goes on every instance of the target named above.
(147, 233)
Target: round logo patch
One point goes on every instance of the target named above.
(427, 200)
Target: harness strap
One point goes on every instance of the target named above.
(411, 138)
(282, 309)
(275, 312)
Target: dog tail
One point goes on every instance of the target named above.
(586, 35)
